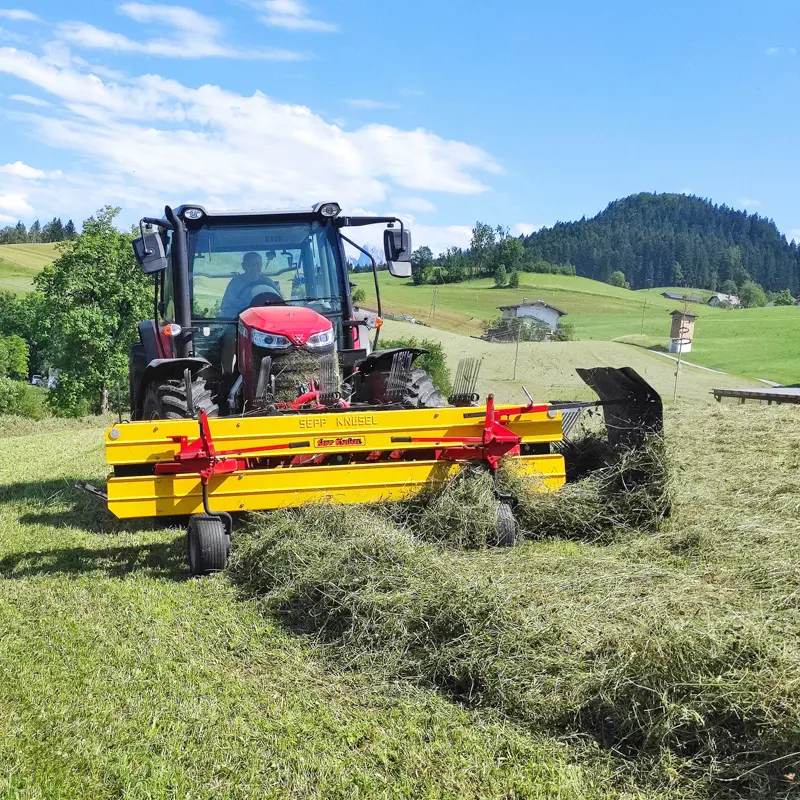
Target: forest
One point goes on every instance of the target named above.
(673, 240)
(648, 239)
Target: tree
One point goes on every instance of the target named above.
(358, 296)
(500, 276)
(69, 230)
(481, 247)
(729, 287)
(784, 298)
(53, 231)
(511, 252)
(751, 295)
(14, 355)
(513, 281)
(421, 263)
(677, 274)
(93, 295)
(618, 279)
(35, 232)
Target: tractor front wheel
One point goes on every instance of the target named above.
(208, 544)
(170, 400)
(421, 392)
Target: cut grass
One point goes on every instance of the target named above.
(120, 677)
(677, 650)
(547, 369)
(757, 342)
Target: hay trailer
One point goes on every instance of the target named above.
(255, 385)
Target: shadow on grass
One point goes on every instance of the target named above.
(160, 560)
(57, 503)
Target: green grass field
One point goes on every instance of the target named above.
(20, 263)
(547, 369)
(758, 343)
(121, 677)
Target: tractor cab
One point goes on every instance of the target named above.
(252, 309)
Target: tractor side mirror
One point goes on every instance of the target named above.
(397, 249)
(150, 253)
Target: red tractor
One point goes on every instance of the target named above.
(253, 313)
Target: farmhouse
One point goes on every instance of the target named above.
(689, 298)
(719, 298)
(540, 311)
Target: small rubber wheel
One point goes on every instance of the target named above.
(208, 544)
(506, 530)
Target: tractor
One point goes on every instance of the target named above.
(256, 386)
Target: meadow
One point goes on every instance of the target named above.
(648, 664)
(760, 343)
(19, 265)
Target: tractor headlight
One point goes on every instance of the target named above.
(329, 209)
(321, 339)
(271, 340)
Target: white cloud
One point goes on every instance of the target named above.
(143, 140)
(793, 234)
(524, 228)
(16, 204)
(416, 204)
(10, 36)
(21, 170)
(371, 105)
(18, 15)
(292, 15)
(31, 101)
(772, 51)
(748, 202)
(193, 35)
(776, 51)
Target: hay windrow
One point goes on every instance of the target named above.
(689, 679)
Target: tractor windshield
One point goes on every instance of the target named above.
(233, 267)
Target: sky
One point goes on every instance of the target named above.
(517, 112)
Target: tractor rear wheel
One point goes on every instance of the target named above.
(421, 391)
(208, 544)
(169, 400)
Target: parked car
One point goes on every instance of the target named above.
(36, 380)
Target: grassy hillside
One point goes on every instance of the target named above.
(119, 676)
(20, 263)
(547, 369)
(759, 343)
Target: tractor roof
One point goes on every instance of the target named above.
(206, 215)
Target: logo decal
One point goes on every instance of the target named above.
(340, 441)
(297, 338)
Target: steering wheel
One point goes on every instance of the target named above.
(262, 290)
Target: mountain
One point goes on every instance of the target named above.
(672, 240)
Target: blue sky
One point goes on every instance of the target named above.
(517, 113)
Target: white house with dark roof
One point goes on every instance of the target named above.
(539, 310)
(720, 298)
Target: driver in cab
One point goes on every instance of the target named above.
(245, 287)
(251, 285)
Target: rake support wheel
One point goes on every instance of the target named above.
(208, 544)
(506, 530)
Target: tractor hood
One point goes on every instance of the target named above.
(296, 323)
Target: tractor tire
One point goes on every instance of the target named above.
(421, 392)
(208, 545)
(506, 530)
(168, 400)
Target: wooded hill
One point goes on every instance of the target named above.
(672, 240)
